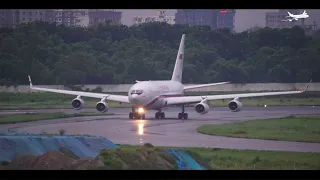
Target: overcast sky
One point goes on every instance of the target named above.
(244, 19)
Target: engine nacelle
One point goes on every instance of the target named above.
(77, 103)
(102, 106)
(202, 108)
(235, 105)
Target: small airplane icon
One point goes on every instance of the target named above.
(304, 15)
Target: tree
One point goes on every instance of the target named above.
(108, 54)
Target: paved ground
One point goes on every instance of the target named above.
(173, 132)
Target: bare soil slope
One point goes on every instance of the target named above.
(52, 160)
(143, 157)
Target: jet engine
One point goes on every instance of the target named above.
(102, 106)
(202, 108)
(235, 105)
(77, 103)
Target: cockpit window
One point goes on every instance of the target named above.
(136, 92)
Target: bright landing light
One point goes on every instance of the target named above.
(140, 110)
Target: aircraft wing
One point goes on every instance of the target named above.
(117, 98)
(197, 99)
(203, 85)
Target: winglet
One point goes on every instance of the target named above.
(30, 82)
(307, 86)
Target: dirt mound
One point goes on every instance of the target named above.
(52, 160)
(87, 163)
(142, 158)
(145, 157)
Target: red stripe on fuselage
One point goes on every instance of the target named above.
(161, 97)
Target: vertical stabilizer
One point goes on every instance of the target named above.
(178, 67)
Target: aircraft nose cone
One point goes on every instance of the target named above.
(134, 99)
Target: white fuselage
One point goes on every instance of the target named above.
(153, 94)
(300, 16)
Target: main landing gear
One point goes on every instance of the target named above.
(183, 115)
(160, 115)
(136, 115)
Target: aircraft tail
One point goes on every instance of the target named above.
(289, 14)
(178, 67)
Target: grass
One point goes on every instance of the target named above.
(302, 129)
(222, 159)
(228, 159)
(41, 100)
(27, 117)
(138, 157)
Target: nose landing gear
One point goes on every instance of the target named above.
(135, 115)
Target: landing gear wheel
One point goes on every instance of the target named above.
(131, 115)
(160, 115)
(183, 115)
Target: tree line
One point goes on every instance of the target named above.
(112, 54)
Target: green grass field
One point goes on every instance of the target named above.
(40, 100)
(27, 117)
(303, 129)
(227, 159)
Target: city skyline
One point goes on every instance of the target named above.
(244, 18)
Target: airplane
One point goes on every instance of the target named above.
(161, 94)
(304, 15)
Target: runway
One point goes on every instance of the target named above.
(171, 131)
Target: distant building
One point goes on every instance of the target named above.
(85, 17)
(72, 17)
(64, 17)
(7, 18)
(82, 19)
(159, 17)
(67, 17)
(13, 17)
(103, 15)
(215, 18)
(197, 17)
(226, 18)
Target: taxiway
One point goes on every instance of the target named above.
(171, 131)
